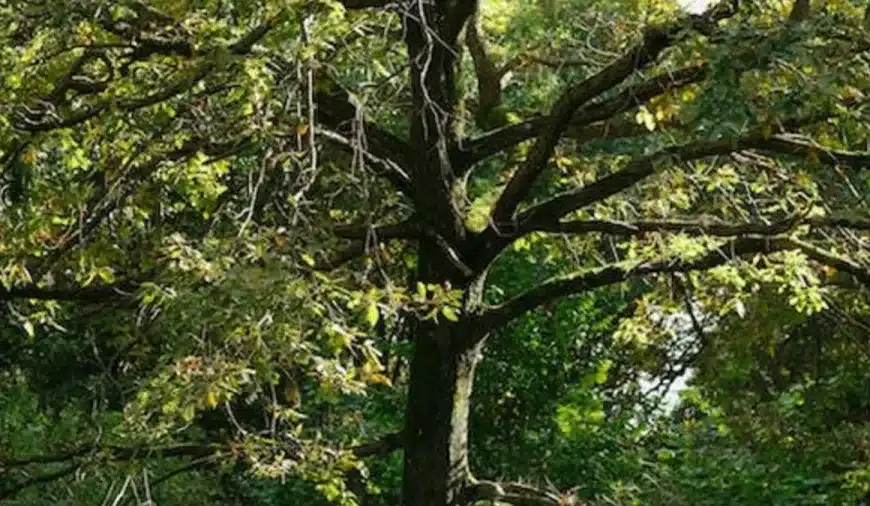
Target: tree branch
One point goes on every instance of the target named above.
(82, 294)
(404, 230)
(43, 119)
(41, 479)
(364, 4)
(384, 446)
(550, 211)
(655, 41)
(716, 228)
(388, 168)
(615, 273)
(517, 494)
(493, 142)
(489, 93)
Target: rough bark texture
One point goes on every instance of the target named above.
(436, 452)
(445, 354)
(441, 377)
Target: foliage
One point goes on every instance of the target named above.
(251, 250)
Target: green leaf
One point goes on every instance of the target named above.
(450, 314)
(372, 314)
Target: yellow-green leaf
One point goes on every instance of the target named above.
(372, 314)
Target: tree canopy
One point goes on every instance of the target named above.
(244, 241)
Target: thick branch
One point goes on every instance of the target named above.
(549, 212)
(496, 141)
(489, 94)
(83, 294)
(554, 209)
(384, 446)
(612, 274)
(405, 230)
(364, 4)
(655, 41)
(716, 228)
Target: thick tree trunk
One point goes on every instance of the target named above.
(445, 353)
(436, 448)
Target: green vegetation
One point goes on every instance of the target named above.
(434, 252)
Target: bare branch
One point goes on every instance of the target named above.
(388, 168)
(800, 146)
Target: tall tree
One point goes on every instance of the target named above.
(208, 152)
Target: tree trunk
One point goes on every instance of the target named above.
(436, 448)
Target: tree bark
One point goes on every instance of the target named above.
(445, 355)
(445, 352)
(436, 451)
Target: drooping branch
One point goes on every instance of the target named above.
(655, 41)
(116, 452)
(386, 167)
(617, 273)
(89, 454)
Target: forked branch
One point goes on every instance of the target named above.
(654, 42)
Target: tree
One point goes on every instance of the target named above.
(202, 155)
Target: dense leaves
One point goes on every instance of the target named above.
(254, 252)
